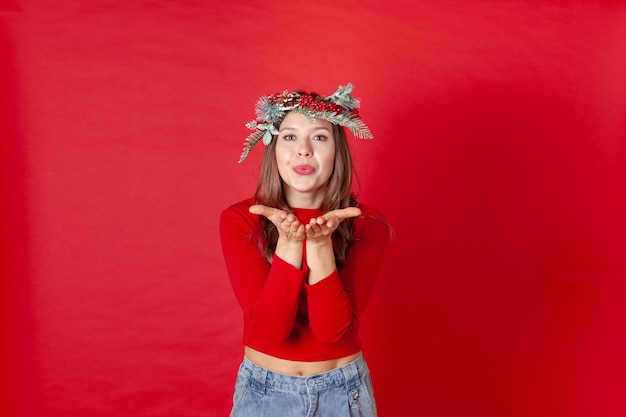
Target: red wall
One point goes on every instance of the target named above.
(499, 159)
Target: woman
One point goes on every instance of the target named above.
(302, 257)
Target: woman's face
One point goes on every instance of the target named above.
(305, 155)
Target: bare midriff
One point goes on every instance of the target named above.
(297, 368)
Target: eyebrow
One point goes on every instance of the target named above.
(314, 128)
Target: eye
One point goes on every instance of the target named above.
(320, 138)
(289, 137)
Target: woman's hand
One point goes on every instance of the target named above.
(288, 226)
(319, 245)
(323, 227)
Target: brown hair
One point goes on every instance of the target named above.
(270, 192)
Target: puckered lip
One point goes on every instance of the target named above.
(304, 169)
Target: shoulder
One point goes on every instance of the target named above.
(238, 212)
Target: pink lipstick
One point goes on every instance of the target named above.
(304, 169)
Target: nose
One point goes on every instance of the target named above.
(304, 149)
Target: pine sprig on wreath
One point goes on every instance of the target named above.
(355, 124)
(249, 143)
(343, 98)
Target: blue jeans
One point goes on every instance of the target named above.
(342, 392)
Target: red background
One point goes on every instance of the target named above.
(499, 159)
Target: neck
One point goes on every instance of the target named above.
(304, 200)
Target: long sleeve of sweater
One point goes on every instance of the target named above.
(267, 293)
(335, 303)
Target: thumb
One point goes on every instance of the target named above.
(260, 209)
(342, 214)
(349, 212)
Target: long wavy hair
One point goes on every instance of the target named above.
(270, 192)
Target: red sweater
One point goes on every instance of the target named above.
(283, 315)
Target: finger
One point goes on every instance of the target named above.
(289, 224)
(260, 209)
(284, 223)
(291, 218)
(323, 225)
(275, 215)
(348, 212)
(317, 220)
(313, 229)
(330, 220)
(294, 225)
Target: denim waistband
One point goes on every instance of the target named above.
(348, 376)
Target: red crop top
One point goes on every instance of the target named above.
(283, 315)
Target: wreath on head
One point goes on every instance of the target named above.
(340, 108)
